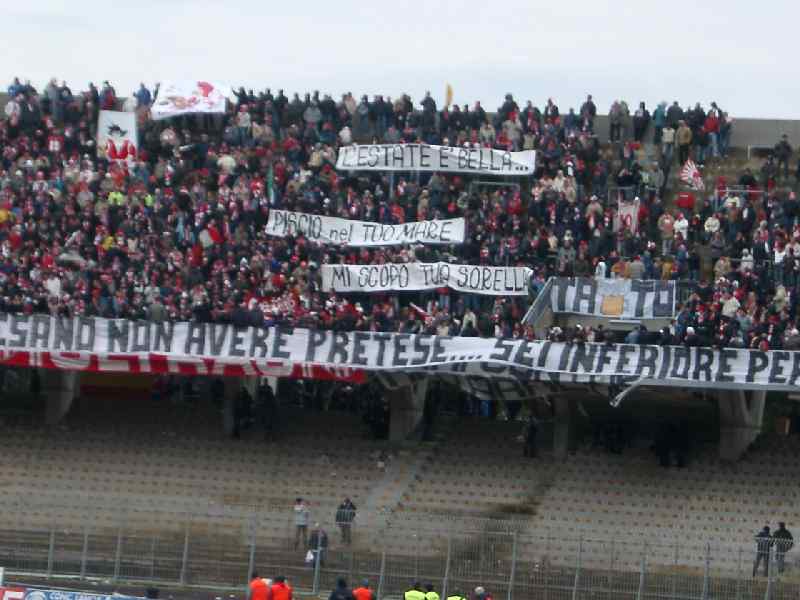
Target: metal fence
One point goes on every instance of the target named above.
(455, 554)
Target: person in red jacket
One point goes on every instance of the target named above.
(259, 589)
(281, 590)
(711, 127)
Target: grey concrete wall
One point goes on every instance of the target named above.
(746, 132)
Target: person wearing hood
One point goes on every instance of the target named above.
(341, 591)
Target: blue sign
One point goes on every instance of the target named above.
(66, 595)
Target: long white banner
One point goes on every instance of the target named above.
(447, 159)
(620, 298)
(344, 232)
(399, 277)
(121, 346)
(185, 97)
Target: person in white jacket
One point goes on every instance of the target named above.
(711, 225)
(600, 270)
(681, 226)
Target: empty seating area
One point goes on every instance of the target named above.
(161, 468)
(607, 499)
(478, 470)
(151, 468)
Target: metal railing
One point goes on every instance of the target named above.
(509, 558)
(539, 304)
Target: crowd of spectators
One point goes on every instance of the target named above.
(178, 233)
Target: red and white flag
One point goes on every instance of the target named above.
(691, 176)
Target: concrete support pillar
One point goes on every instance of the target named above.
(59, 388)
(232, 387)
(406, 406)
(563, 428)
(741, 414)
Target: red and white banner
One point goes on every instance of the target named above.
(185, 97)
(190, 348)
(12, 593)
(627, 216)
(691, 176)
(159, 364)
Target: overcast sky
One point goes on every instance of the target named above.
(739, 53)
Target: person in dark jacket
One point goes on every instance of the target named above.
(345, 515)
(763, 544)
(783, 153)
(318, 544)
(783, 543)
(341, 591)
(692, 339)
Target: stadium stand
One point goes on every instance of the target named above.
(85, 236)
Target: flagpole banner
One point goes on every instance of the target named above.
(186, 97)
(691, 176)
(344, 232)
(621, 298)
(117, 135)
(121, 346)
(446, 159)
(415, 276)
(627, 216)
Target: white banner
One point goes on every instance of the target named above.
(627, 216)
(399, 277)
(116, 135)
(344, 232)
(620, 298)
(447, 159)
(186, 97)
(93, 344)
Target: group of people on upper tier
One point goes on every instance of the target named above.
(178, 232)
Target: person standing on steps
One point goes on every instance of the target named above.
(683, 137)
(318, 544)
(345, 515)
(763, 544)
(783, 543)
(529, 450)
(301, 518)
